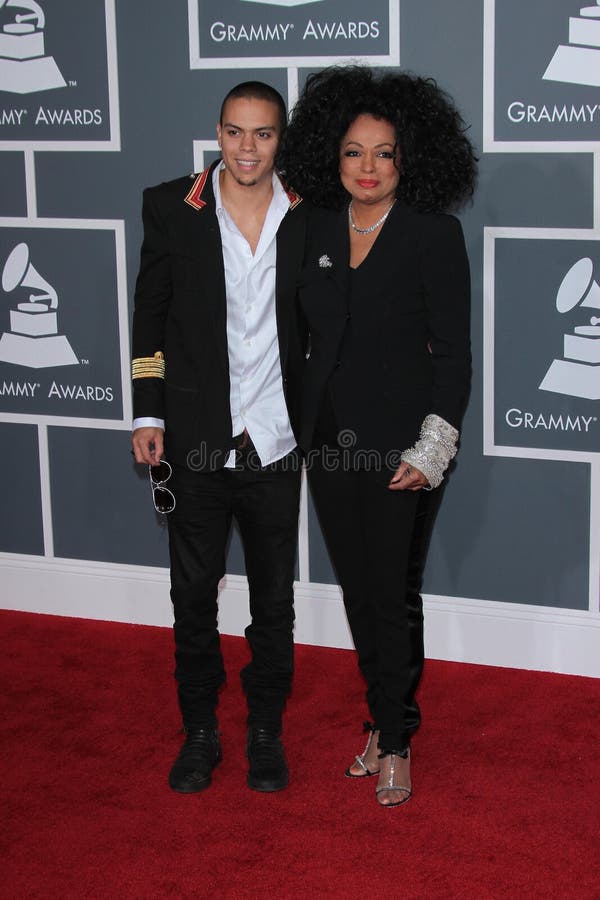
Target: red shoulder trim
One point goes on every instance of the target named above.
(292, 196)
(194, 196)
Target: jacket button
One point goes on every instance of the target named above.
(348, 317)
(338, 363)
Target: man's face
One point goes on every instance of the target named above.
(248, 137)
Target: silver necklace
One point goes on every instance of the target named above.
(371, 227)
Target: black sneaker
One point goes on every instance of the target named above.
(268, 769)
(200, 753)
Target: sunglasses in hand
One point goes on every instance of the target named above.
(162, 497)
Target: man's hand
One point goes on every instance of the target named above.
(148, 444)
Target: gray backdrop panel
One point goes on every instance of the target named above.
(21, 521)
(500, 517)
(12, 185)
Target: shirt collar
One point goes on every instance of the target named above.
(280, 198)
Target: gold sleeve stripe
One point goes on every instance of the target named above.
(148, 366)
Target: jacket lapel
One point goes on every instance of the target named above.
(341, 253)
(202, 240)
(290, 253)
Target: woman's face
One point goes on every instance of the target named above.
(369, 160)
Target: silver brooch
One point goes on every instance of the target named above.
(325, 262)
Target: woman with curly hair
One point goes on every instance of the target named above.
(385, 291)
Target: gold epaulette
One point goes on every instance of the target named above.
(148, 366)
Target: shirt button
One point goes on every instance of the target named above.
(248, 342)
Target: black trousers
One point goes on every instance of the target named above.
(265, 504)
(378, 541)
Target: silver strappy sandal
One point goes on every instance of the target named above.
(361, 760)
(398, 773)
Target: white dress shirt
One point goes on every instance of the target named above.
(256, 387)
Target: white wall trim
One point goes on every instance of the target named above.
(458, 629)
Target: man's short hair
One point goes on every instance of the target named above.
(257, 90)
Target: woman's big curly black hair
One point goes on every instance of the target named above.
(437, 162)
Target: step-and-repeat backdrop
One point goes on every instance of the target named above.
(100, 98)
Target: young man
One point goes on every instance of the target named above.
(218, 354)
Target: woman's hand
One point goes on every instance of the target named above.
(407, 478)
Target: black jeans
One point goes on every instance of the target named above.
(378, 541)
(265, 504)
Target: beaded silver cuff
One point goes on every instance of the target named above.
(434, 449)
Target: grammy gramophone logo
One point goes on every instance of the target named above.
(33, 339)
(24, 67)
(578, 62)
(578, 373)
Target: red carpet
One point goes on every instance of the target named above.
(506, 780)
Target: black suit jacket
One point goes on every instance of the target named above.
(401, 351)
(181, 312)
